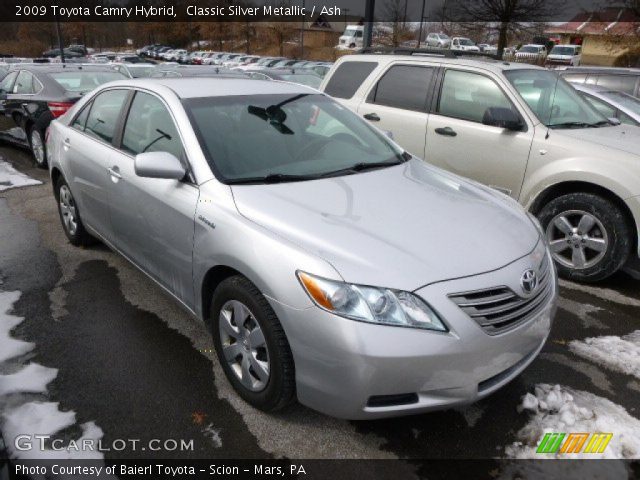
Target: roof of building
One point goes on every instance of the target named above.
(609, 21)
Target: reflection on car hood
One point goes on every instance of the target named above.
(622, 137)
(399, 227)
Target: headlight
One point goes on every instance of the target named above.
(536, 223)
(371, 304)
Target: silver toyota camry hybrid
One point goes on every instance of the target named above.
(330, 266)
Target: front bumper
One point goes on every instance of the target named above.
(341, 364)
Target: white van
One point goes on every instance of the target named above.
(463, 44)
(352, 37)
(569, 55)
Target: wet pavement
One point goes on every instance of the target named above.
(132, 361)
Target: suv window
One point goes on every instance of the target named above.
(104, 114)
(467, 96)
(348, 77)
(403, 86)
(6, 85)
(150, 128)
(24, 83)
(622, 83)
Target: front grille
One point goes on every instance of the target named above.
(499, 309)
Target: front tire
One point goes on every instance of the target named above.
(38, 147)
(70, 216)
(251, 345)
(589, 236)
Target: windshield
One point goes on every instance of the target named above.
(529, 49)
(562, 51)
(556, 103)
(84, 81)
(263, 138)
(466, 41)
(625, 100)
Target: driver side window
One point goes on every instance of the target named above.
(468, 95)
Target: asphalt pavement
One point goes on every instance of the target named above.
(134, 363)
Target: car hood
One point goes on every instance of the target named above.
(621, 137)
(399, 227)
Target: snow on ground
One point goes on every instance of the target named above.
(556, 408)
(620, 354)
(12, 178)
(33, 417)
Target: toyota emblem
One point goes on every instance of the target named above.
(529, 281)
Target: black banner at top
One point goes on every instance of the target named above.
(352, 11)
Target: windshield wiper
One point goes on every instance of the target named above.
(580, 124)
(272, 178)
(364, 166)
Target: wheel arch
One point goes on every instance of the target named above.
(567, 187)
(214, 277)
(55, 175)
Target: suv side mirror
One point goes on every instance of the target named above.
(614, 120)
(159, 165)
(503, 118)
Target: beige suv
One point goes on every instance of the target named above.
(519, 129)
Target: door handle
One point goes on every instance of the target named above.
(113, 171)
(66, 144)
(447, 132)
(372, 116)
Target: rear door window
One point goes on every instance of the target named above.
(105, 113)
(6, 86)
(347, 78)
(24, 83)
(404, 86)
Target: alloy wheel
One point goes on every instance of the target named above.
(244, 346)
(577, 239)
(68, 210)
(37, 146)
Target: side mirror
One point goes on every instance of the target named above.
(614, 121)
(159, 165)
(503, 118)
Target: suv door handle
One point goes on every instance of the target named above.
(447, 132)
(66, 144)
(113, 171)
(372, 116)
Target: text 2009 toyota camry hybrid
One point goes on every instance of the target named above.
(331, 266)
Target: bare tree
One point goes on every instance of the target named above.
(504, 17)
(395, 11)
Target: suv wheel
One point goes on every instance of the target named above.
(588, 235)
(251, 345)
(70, 216)
(38, 148)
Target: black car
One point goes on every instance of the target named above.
(31, 96)
(68, 53)
(173, 71)
(625, 80)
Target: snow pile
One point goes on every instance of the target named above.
(45, 418)
(621, 354)
(12, 178)
(561, 409)
(34, 418)
(10, 347)
(31, 379)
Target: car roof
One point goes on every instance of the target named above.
(197, 87)
(613, 70)
(61, 67)
(481, 61)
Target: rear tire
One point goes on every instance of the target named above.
(38, 147)
(70, 216)
(589, 236)
(247, 332)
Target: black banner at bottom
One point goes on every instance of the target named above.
(565, 469)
